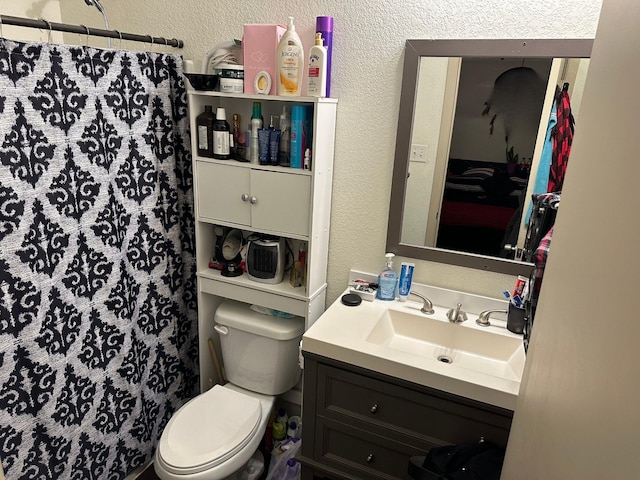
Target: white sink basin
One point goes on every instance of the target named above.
(398, 340)
(458, 345)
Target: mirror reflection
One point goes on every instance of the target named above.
(473, 120)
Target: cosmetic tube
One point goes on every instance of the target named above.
(263, 146)
(274, 146)
(404, 284)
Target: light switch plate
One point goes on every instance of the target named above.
(418, 153)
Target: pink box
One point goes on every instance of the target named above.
(259, 47)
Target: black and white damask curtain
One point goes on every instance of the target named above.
(98, 330)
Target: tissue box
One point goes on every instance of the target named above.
(259, 48)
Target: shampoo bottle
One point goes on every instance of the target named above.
(387, 280)
(290, 57)
(317, 86)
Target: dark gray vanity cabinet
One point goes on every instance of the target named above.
(359, 424)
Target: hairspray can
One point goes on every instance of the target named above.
(324, 26)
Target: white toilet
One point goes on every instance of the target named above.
(215, 435)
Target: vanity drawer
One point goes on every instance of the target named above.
(367, 402)
(360, 453)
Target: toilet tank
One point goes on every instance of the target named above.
(260, 352)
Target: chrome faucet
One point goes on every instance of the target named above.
(457, 315)
(427, 305)
(483, 318)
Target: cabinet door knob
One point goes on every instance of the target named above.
(244, 197)
(369, 458)
(253, 200)
(374, 408)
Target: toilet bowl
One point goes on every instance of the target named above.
(215, 435)
(202, 442)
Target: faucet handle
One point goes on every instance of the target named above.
(483, 318)
(457, 315)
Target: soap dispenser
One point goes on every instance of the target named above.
(387, 280)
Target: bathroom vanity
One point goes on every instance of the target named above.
(359, 423)
(384, 382)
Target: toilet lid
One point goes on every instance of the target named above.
(208, 430)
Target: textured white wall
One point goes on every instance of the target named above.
(47, 9)
(368, 47)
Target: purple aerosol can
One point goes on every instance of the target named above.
(324, 25)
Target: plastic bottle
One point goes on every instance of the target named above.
(282, 416)
(221, 136)
(387, 280)
(324, 26)
(290, 58)
(256, 124)
(295, 424)
(292, 472)
(279, 432)
(204, 123)
(285, 139)
(317, 86)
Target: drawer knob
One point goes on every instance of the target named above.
(244, 197)
(253, 200)
(374, 408)
(370, 458)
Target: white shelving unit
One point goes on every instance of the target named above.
(274, 200)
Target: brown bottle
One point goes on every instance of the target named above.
(239, 146)
(204, 134)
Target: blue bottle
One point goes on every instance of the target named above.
(387, 280)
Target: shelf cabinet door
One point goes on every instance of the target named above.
(282, 202)
(223, 193)
(260, 200)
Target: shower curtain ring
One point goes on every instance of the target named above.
(120, 37)
(86, 32)
(48, 24)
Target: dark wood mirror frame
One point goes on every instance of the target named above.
(414, 51)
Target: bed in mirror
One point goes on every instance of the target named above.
(473, 120)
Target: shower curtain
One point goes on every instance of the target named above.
(98, 330)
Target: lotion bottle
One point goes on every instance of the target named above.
(387, 280)
(290, 56)
(317, 86)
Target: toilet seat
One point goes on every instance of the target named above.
(208, 430)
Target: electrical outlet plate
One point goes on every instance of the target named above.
(418, 153)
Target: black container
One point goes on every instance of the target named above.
(516, 318)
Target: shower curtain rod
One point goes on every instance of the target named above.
(84, 30)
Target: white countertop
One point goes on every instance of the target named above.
(341, 331)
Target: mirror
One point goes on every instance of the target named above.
(472, 107)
